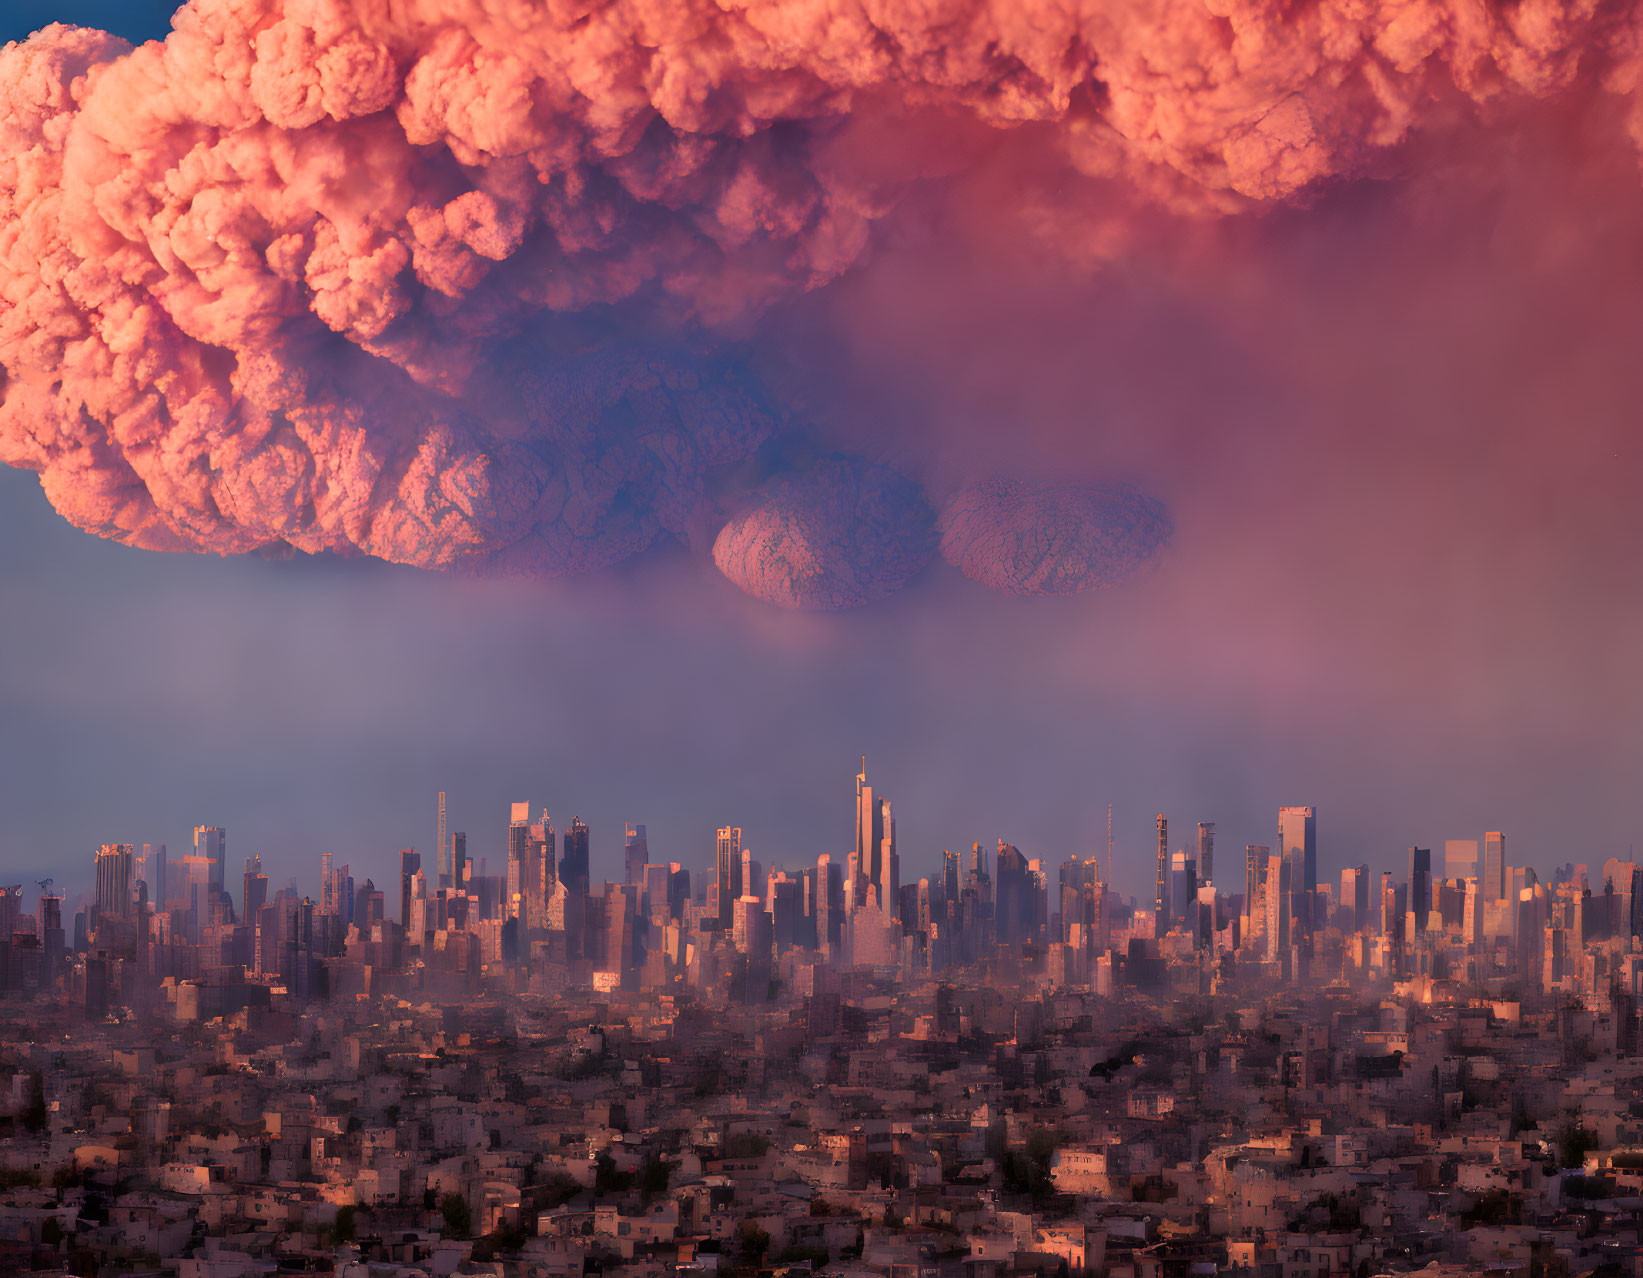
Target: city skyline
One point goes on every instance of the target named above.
(613, 863)
(991, 639)
(1401, 580)
(542, 922)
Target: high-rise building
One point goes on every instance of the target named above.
(1494, 866)
(827, 918)
(889, 862)
(1391, 915)
(1255, 855)
(1298, 844)
(620, 910)
(1460, 858)
(1206, 852)
(1183, 890)
(1160, 895)
(1472, 920)
(410, 864)
(192, 875)
(1624, 880)
(1277, 893)
(868, 835)
(539, 872)
(211, 842)
(444, 877)
(878, 869)
(519, 817)
(114, 865)
(573, 866)
(1013, 914)
(150, 870)
(635, 854)
(728, 867)
(459, 861)
(1420, 885)
(336, 890)
(255, 894)
(1355, 896)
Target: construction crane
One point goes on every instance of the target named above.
(47, 886)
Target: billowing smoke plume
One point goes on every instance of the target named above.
(1045, 540)
(254, 280)
(841, 534)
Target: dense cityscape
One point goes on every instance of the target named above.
(1090, 409)
(1002, 1068)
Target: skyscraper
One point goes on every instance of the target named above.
(877, 867)
(442, 851)
(1494, 866)
(1391, 915)
(1298, 844)
(728, 866)
(1420, 885)
(1206, 852)
(1355, 895)
(1255, 855)
(573, 865)
(534, 843)
(1183, 889)
(1160, 897)
(1013, 913)
(827, 920)
(255, 893)
(459, 861)
(519, 817)
(889, 862)
(150, 870)
(1276, 893)
(114, 863)
(211, 842)
(635, 854)
(410, 864)
(1460, 858)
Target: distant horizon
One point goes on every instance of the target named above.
(382, 869)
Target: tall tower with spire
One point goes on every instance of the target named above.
(875, 863)
(1160, 900)
(442, 851)
(1109, 840)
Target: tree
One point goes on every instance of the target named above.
(342, 1228)
(33, 1116)
(559, 1189)
(654, 1176)
(607, 1178)
(1574, 1142)
(1028, 1171)
(458, 1215)
(746, 1145)
(755, 1242)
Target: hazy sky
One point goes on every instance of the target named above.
(1396, 428)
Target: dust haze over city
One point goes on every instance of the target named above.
(1383, 392)
(1081, 423)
